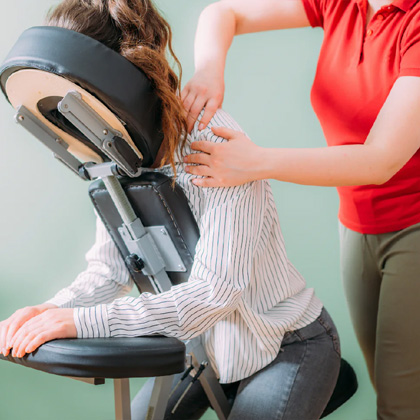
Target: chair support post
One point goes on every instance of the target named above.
(137, 239)
(159, 399)
(209, 381)
(120, 199)
(122, 399)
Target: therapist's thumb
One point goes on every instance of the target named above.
(226, 133)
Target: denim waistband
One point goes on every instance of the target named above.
(322, 324)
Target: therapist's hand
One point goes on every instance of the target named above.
(49, 325)
(226, 164)
(11, 325)
(205, 90)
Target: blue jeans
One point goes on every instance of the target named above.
(297, 385)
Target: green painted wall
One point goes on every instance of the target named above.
(47, 224)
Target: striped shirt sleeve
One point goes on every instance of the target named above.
(105, 279)
(230, 226)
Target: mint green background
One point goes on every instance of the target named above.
(47, 224)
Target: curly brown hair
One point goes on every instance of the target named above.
(137, 31)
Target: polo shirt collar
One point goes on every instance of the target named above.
(404, 5)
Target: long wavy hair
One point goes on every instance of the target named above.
(136, 30)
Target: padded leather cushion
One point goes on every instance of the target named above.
(108, 357)
(344, 389)
(157, 204)
(99, 70)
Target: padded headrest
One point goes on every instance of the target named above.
(106, 75)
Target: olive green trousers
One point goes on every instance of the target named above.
(381, 275)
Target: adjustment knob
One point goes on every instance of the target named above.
(135, 263)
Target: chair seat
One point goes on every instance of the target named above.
(108, 357)
(344, 389)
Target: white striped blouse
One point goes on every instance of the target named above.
(243, 293)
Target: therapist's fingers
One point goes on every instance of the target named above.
(210, 109)
(200, 170)
(207, 87)
(202, 146)
(193, 106)
(190, 123)
(226, 133)
(206, 182)
(197, 158)
(188, 101)
(195, 110)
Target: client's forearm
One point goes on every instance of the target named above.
(90, 289)
(169, 313)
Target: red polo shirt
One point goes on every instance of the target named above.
(356, 70)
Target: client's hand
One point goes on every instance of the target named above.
(204, 90)
(49, 325)
(12, 324)
(227, 164)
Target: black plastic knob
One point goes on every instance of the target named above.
(134, 263)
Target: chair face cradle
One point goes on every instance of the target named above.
(100, 116)
(92, 69)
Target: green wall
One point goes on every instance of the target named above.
(47, 224)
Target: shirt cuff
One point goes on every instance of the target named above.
(92, 322)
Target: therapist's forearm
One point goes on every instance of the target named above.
(328, 166)
(215, 32)
(221, 21)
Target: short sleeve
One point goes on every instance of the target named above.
(410, 48)
(315, 12)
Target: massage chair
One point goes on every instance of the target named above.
(101, 118)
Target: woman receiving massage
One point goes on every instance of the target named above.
(272, 344)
